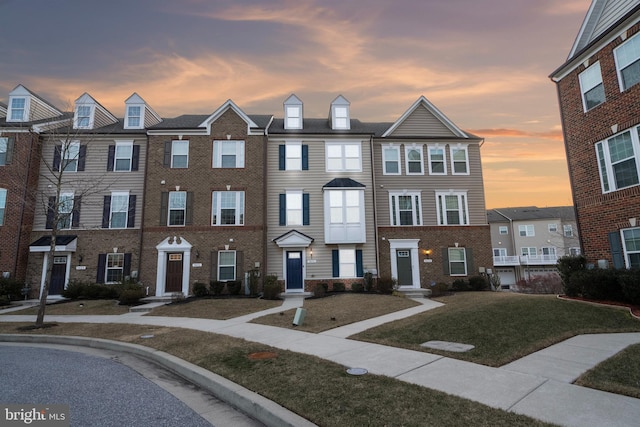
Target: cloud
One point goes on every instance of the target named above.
(554, 134)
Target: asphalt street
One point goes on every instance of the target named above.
(108, 389)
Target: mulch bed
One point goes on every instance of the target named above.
(633, 309)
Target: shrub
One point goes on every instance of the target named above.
(324, 285)
(439, 289)
(547, 284)
(11, 288)
(234, 287)
(320, 290)
(216, 287)
(460, 285)
(254, 280)
(597, 284)
(87, 290)
(200, 289)
(338, 287)
(357, 287)
(567, 266)
(478, 283)
(271, 288)
(386, 284)
(4, 300)
(131, 296)
(368, 281)
(630, 285)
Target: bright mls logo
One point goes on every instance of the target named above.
(36, 415)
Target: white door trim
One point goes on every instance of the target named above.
(173, 244)
(411, 245)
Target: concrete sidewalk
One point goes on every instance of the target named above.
(538, 385)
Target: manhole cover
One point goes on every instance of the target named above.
(356, 371)
(262, 355)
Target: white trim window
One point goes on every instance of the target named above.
(227, 208)
(528, 251)
(553, 228)
(457, 262)
(503, 229)
(226, 266)
(405, 208)
(177, 208)
(114, 269)
(293, 119)
(574, 251)
(459, 160)
(180, 154)
(437, 160)
(413, 159)
(294, 206)
(567, 229)
(499, 252)
(548, 251)
(344, 216)
(65, 211)
(134, 117)
(618, 161)
(340, 117)
(3, 204)
(4, 149)
(83, 119)
(631, 246)
(347, 262)
(343, 156)
(123, 156)
(293, 155)
(452, 208)
(70, 156)
(391, 160)
(527, 230)
(228, 154)
(627, 57)
(591, 87)
(119, 210)
(18, 109)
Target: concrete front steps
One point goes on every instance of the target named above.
(414, 293)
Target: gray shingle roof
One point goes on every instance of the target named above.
(323, 126)
(343, 183)
(193, 121)
(565, 213)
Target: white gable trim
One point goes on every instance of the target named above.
(433, 110)
(221, 110)
(293, 239)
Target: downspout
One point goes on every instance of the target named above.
(265, 176)
(375, 207)
(144, 202)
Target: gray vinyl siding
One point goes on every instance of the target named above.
(101, 119)
(613, 11)
(429, 184)
(94, 182)
(422, 123)
(311, 181)
(38, 110)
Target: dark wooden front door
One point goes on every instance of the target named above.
(174, 272)
(58, 275)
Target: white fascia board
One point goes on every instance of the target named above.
(222, 109)
(435, 111)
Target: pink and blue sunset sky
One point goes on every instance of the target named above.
(483, 63)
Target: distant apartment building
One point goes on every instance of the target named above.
(527, 241)
(599, 99)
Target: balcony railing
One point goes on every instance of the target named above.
(512, 260)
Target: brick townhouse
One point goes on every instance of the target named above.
(599, 98)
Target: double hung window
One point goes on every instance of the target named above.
(179, 154)
(405, 208)
(627, 57)
(591, 87)
(452, 208)
(177, 208)
(413, 156)
(437, 160)
(343, 157)
(227, 208)
(391, 160)
(228, 154)
(617, 161)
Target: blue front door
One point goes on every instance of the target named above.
(294, 271)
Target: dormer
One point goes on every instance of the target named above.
(89, 114)
(293, 113)
(24, 106)
(339, 114)
(138, 115)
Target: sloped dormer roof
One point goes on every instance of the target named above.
(148, 117)
(3, 110)
(424, 119)
(34, 107)
(99, 116)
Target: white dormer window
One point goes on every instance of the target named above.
(340, 114)
(134, 117)
(293, 113)
(83, 116)
(18, 108)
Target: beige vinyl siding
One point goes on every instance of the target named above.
(429, 184)
(38, 110)
(94, 182)
(101, 119)
(311, 181)
(422, 123)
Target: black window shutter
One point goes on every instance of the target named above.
(305, 157)
(75, 219)
(240, 266)
(445, 261)
(283, 209)
(135, 158)
(102, 264)
(126, 270)
(57, 156)
(10, 147)
(82, 157)
(50, 214)
(615, 243)
(111, 157)
(167, 154)
(335, 263)
(164, 208)
(281, 157)
(189, 215)
(305, 209)
(106, 211)
(469, 257)
(214, 265)
(131, 217)
(359, 265)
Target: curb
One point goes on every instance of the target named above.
(247, 401)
